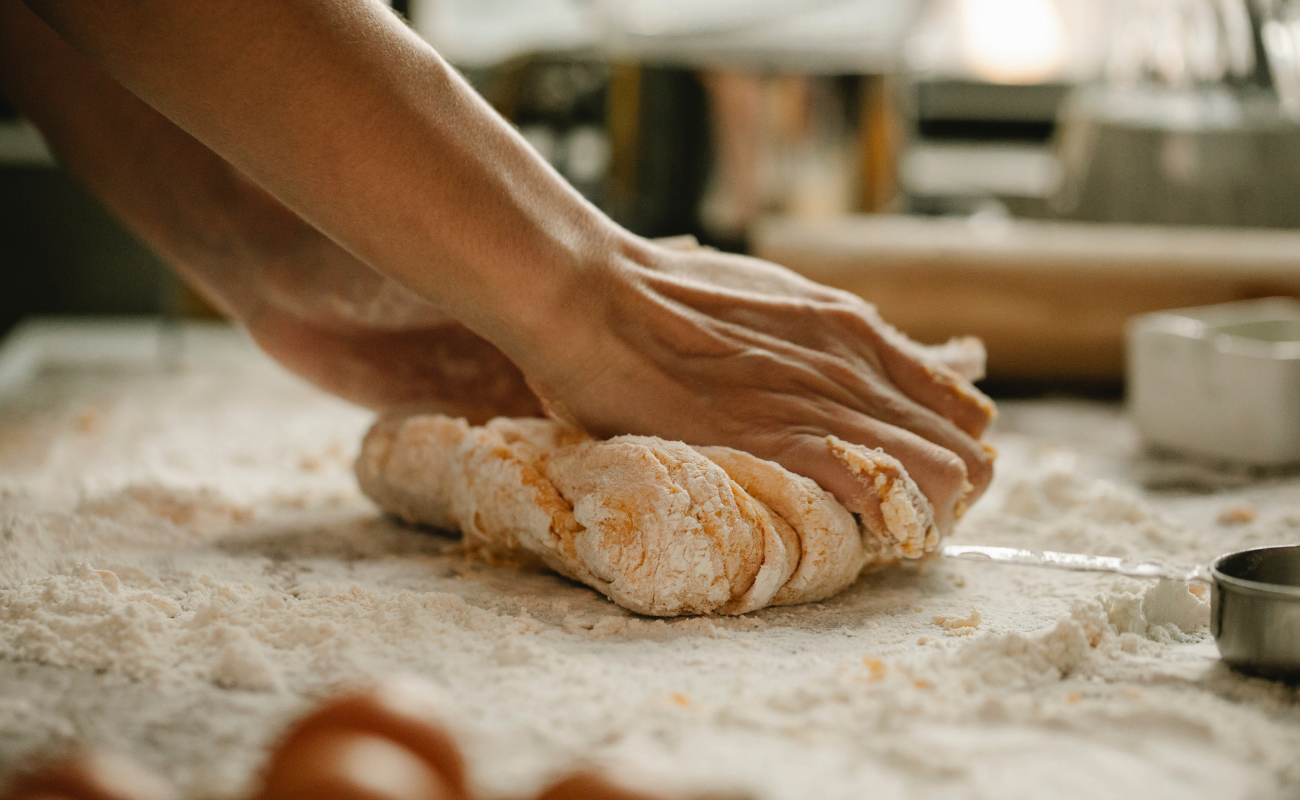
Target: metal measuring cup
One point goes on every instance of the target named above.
(1254, 597)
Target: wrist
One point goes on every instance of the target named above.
(556, 321)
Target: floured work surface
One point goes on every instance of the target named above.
(186, 563)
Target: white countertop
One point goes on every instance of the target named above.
(185, 562)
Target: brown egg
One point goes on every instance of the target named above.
(589, 786)
(91, 776)
(331, 763)
(381, 743)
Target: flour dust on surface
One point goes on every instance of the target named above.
(186, 564)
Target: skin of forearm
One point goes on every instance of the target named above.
(244, 250)
(310, 304)
(210, 222)
(368, 135)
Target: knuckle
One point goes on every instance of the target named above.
(954, 471)
(845, 309)
(980, 469)
(947, 476)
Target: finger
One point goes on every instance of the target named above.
(896, 520)
(588, 786)
(853, 349)
(91, 776)
(938, 473)
(879, 400)
(939, 388)
(347, 764)
(404, 712)
(925, 380)
(977, 456)
(839, 380)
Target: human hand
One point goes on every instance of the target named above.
(328, 317)
(422, 180)
(717, 349)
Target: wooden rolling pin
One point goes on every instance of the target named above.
(1048, 298)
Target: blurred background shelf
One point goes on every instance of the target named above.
(803, 36)
(1049, 298)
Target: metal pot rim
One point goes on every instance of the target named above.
(1272, 590)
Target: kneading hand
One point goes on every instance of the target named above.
(718, 349)
(370, 140)
(328, 317)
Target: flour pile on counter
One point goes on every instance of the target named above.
(186, 563)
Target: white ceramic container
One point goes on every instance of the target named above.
(1219, 382)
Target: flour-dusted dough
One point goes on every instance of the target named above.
(828, 547)
(659, 527)
(405, 466)
(666, 531)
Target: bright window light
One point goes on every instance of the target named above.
(1013, 41)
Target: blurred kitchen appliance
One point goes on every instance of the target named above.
(1197, 120)
(1220, 381)
(968, 142)
(983, 84)
(1210, 156)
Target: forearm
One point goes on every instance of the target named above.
(183, 200)
(368, 135)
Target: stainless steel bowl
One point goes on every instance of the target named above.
(1255, 610)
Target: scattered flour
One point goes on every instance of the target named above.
(961, 626)
(189, 566)
(1097, 630)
